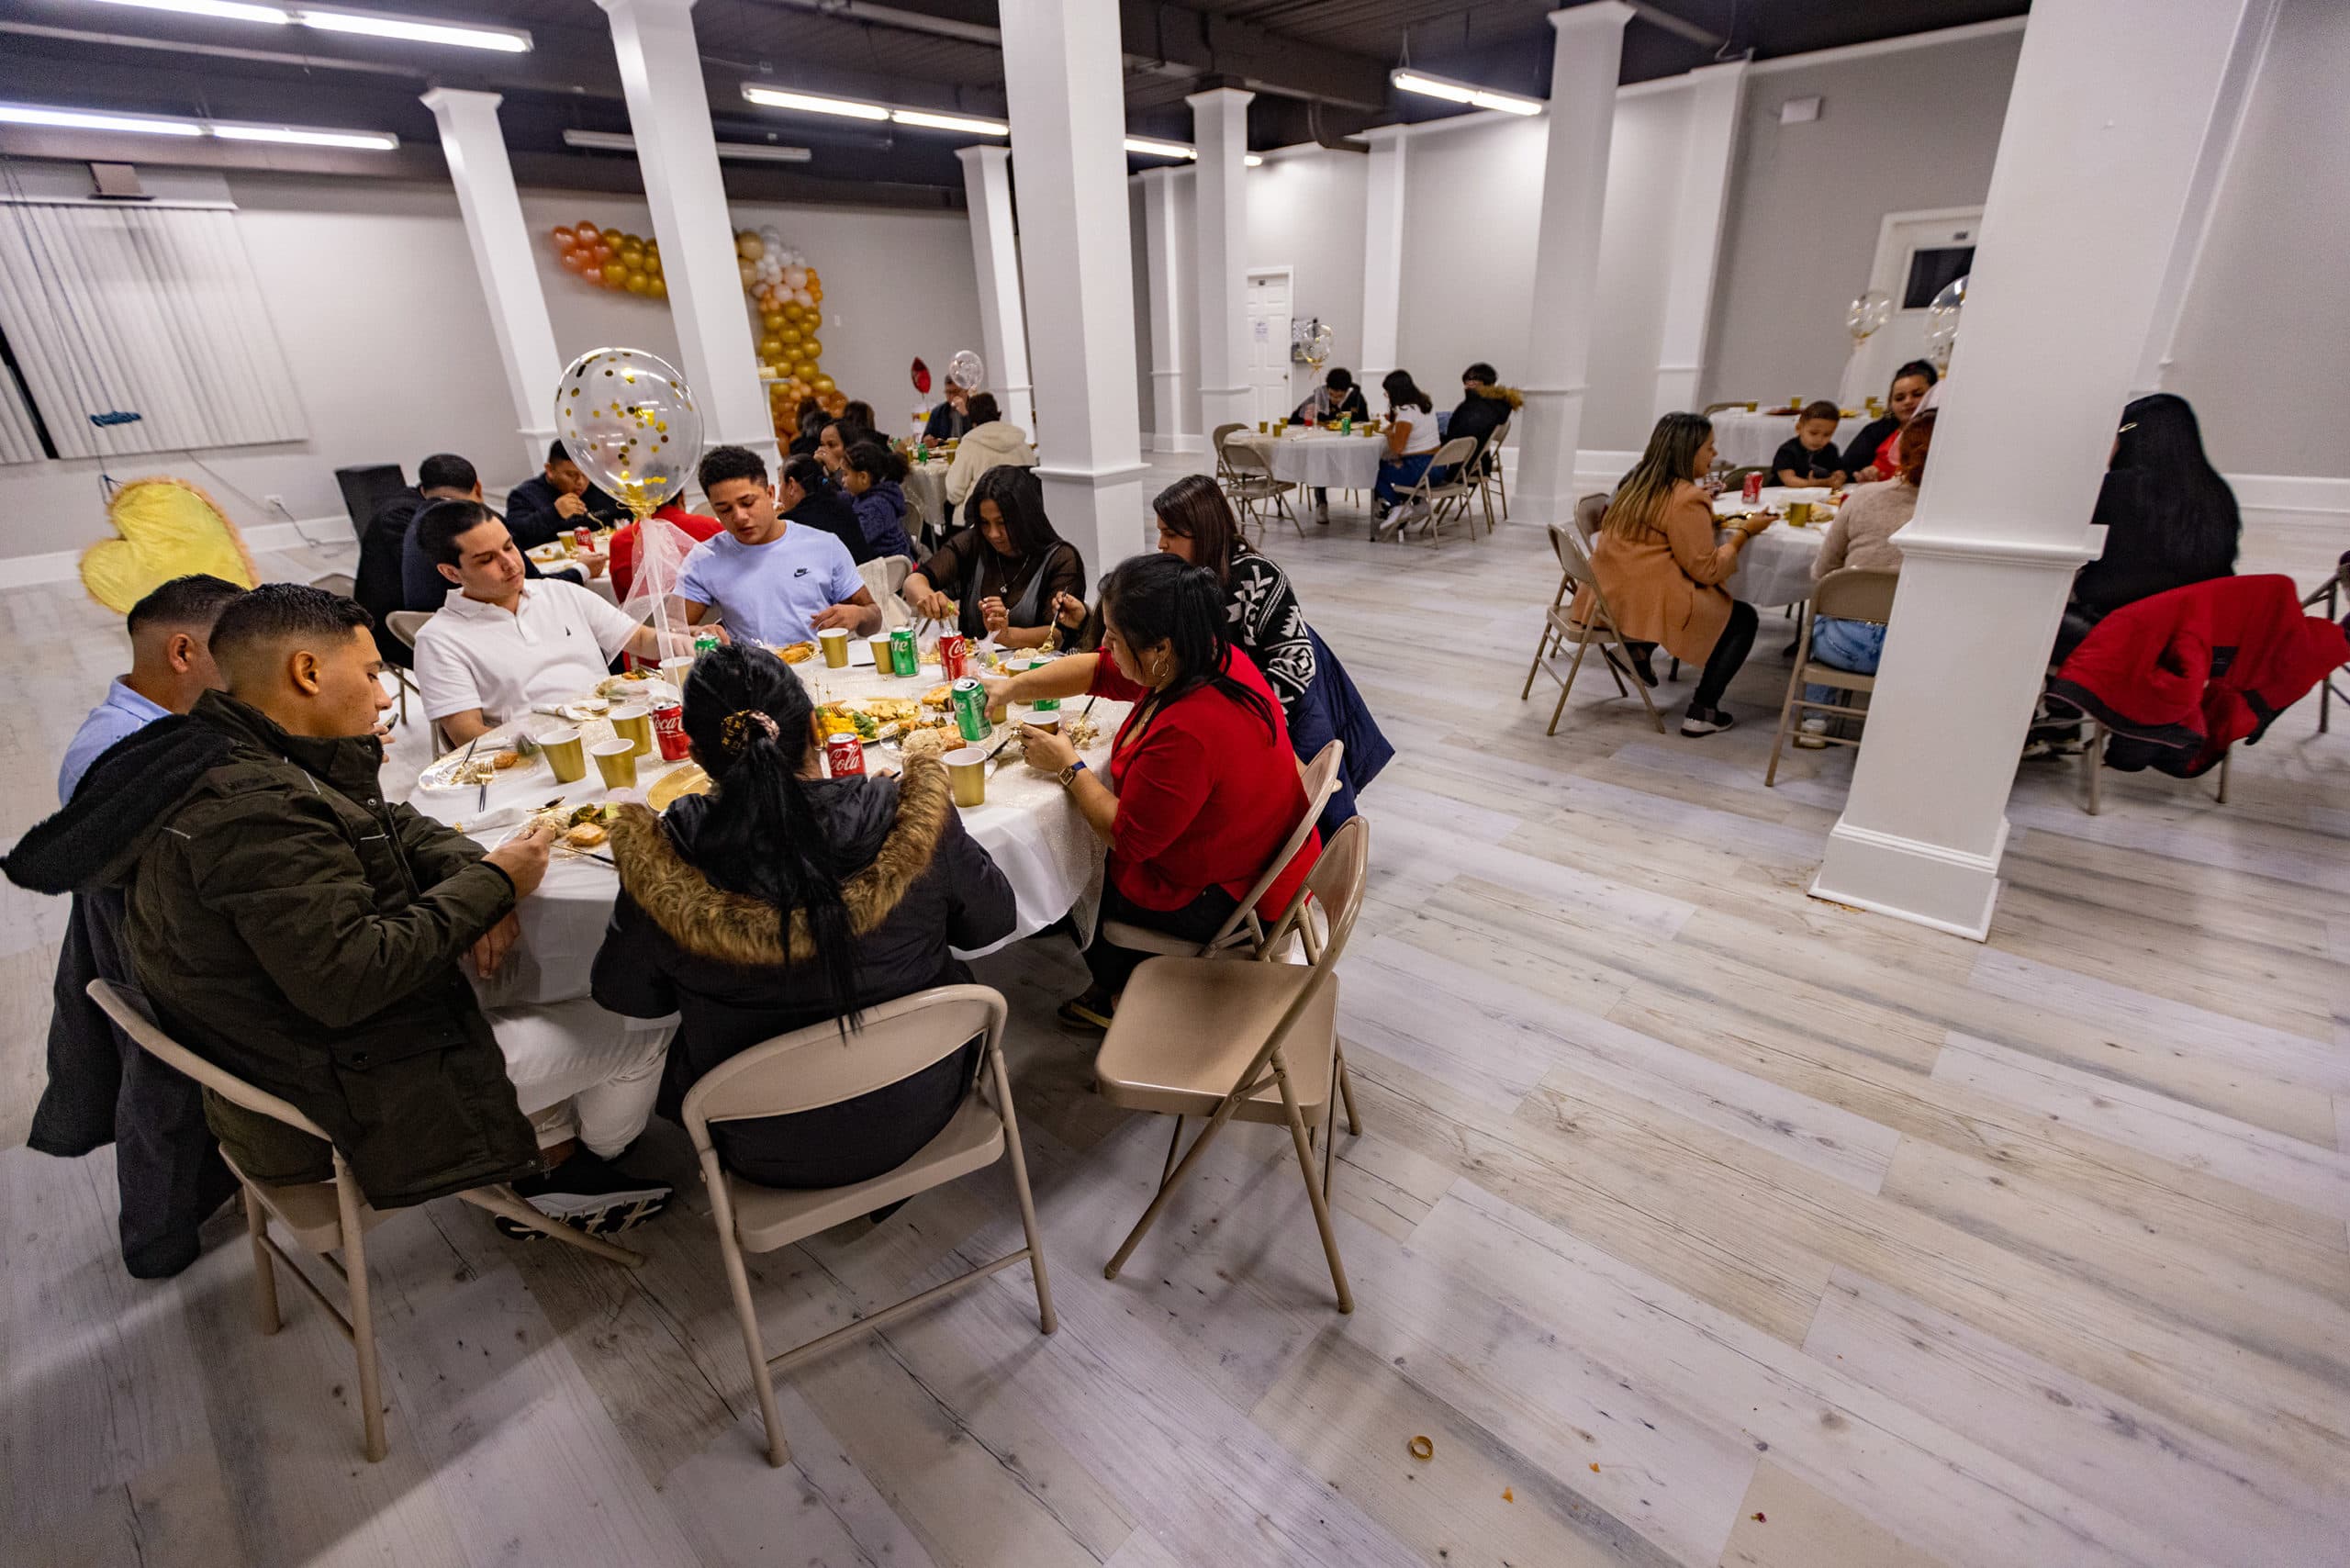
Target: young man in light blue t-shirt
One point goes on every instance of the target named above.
(777, 582)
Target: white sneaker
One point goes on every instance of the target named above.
(1393, 521)
(1810, 735)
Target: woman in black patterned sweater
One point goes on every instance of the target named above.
(1195, 524)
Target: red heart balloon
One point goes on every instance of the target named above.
(922, 377)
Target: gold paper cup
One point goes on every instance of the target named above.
(674, 669)
(616, 760)
(882, 658)
(564, 755)
(1799, 514)
(968, 770)
(1047, 720)
(833, 643)
(634, 723)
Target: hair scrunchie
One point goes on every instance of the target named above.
(736, 728)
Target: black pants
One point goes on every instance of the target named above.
(1729, 652)
(1113, 965)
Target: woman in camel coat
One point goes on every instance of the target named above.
(1657, 562)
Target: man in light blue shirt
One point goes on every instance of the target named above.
(778, 581)
(171, 666)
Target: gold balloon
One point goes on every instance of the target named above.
(749, 246)
(790, 337)
(811, 348)
(614, 274)
(824, 384)
(750, 272)
(770, 347)
(614, 238)
(637, 283)
(656, 287)
(772, 322)
(805, 370)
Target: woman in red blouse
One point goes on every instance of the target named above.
(1202, 786)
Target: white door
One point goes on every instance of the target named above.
(1269, 365)
(1917, 254)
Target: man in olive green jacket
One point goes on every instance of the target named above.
(290, 925)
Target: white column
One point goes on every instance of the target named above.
(1586, 58)
(995, 253)
(1063, 79)
(2106, 128)
(1382, 261)
(1220, 131)
(503, 255)
(1163, 252)
(677, 153)
(1718, 94)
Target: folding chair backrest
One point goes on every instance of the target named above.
(1453, 452)
(1320, 779)
(1215, 441)
(817, 1066)
(128, 1008)
(1335, 884)
(1590, 512)
(406, 623)
(340, 583)
(1852, 594)
(1574, 559)
(1500, 437)
(1243, 458)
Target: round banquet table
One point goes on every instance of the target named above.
(1319, 458)
(1749, 441)
(1775, 567)
(1028, 824)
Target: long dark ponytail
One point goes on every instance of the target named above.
(747, 715)
(2187, 515)
(1158, 599)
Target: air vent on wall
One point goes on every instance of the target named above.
(115, 182)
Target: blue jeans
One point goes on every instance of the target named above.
(1856, 645)
(1399, 474)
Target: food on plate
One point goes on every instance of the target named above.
(933, 742)
(462, 773)
(843, 720)
(627, 685)
(904, 710)
(796, 653)
(1081, 731)
(937, 697)
(587, 835)
(506, 759)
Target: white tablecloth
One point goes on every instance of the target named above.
(1321, 457)
(1028, 824)
(1747, 440)
(1775, 567)
(925, 487)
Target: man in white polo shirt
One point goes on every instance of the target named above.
(504, 643)
(778, 581)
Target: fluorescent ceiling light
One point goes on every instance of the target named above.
(224, 10)
(1151, 146)
(365, 140)
(77, 120)
(949, 122)
(749, 151)
(1463, 93)
(369, 24)
(810, 103)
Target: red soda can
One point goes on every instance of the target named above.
(584, 536)
(845, 756)
(669, 729)
(1753, 488)
(954, 656)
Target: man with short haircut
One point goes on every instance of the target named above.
(289, 924)
(557, 500)
(778, 580)
(102, 1087)
(500, 644)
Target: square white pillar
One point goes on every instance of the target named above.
(1164, 255)
(483, 175)
(995, 253)
(2113, 104)
(1063, 80)
(1383, 259)
(1717, 97)
(1220, 132)
(677, 153)
(1587, 56)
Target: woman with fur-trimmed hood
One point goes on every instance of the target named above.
(784, 898)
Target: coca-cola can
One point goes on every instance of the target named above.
(670, 732)
(954, 656)
(1753, 488)
(845, 756)
(584, 536)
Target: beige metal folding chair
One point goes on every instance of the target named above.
(2093, 738)
(1252, 485)
(1201, 1037)
(2328, 595)
(1215, 445)
(1590, 512)
(1490, 480)
(1846, 594)
(1560, 628)
(1445, 498)
(815, 1066)
(323, 1217)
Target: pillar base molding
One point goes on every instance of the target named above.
(1925, 884)
(1178, 440)
(2046, 554)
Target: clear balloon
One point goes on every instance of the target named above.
(965, 370)
(628, 420)
(773, 235)
(1869, 312)
(1941, 321)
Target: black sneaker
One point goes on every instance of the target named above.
(1705, 720)
(587, 1194)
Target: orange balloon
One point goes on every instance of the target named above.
(562, 237)
(583, 229)
(614, 275)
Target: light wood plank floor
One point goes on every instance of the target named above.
(1694, 1222)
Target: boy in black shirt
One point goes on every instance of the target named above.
(1811, 459)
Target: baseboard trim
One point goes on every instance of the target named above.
(1174, 442)
(64, 565)
(2291, 493)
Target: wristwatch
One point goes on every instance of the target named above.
(1068, 774)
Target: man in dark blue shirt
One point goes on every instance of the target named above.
(558, 500)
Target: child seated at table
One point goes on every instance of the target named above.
(1811, 458)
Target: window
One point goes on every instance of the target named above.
(150, 311)
(1931, 271)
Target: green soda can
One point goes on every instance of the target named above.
(904, 660)
(1046, 705)
(971, 709)
(705, 643)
